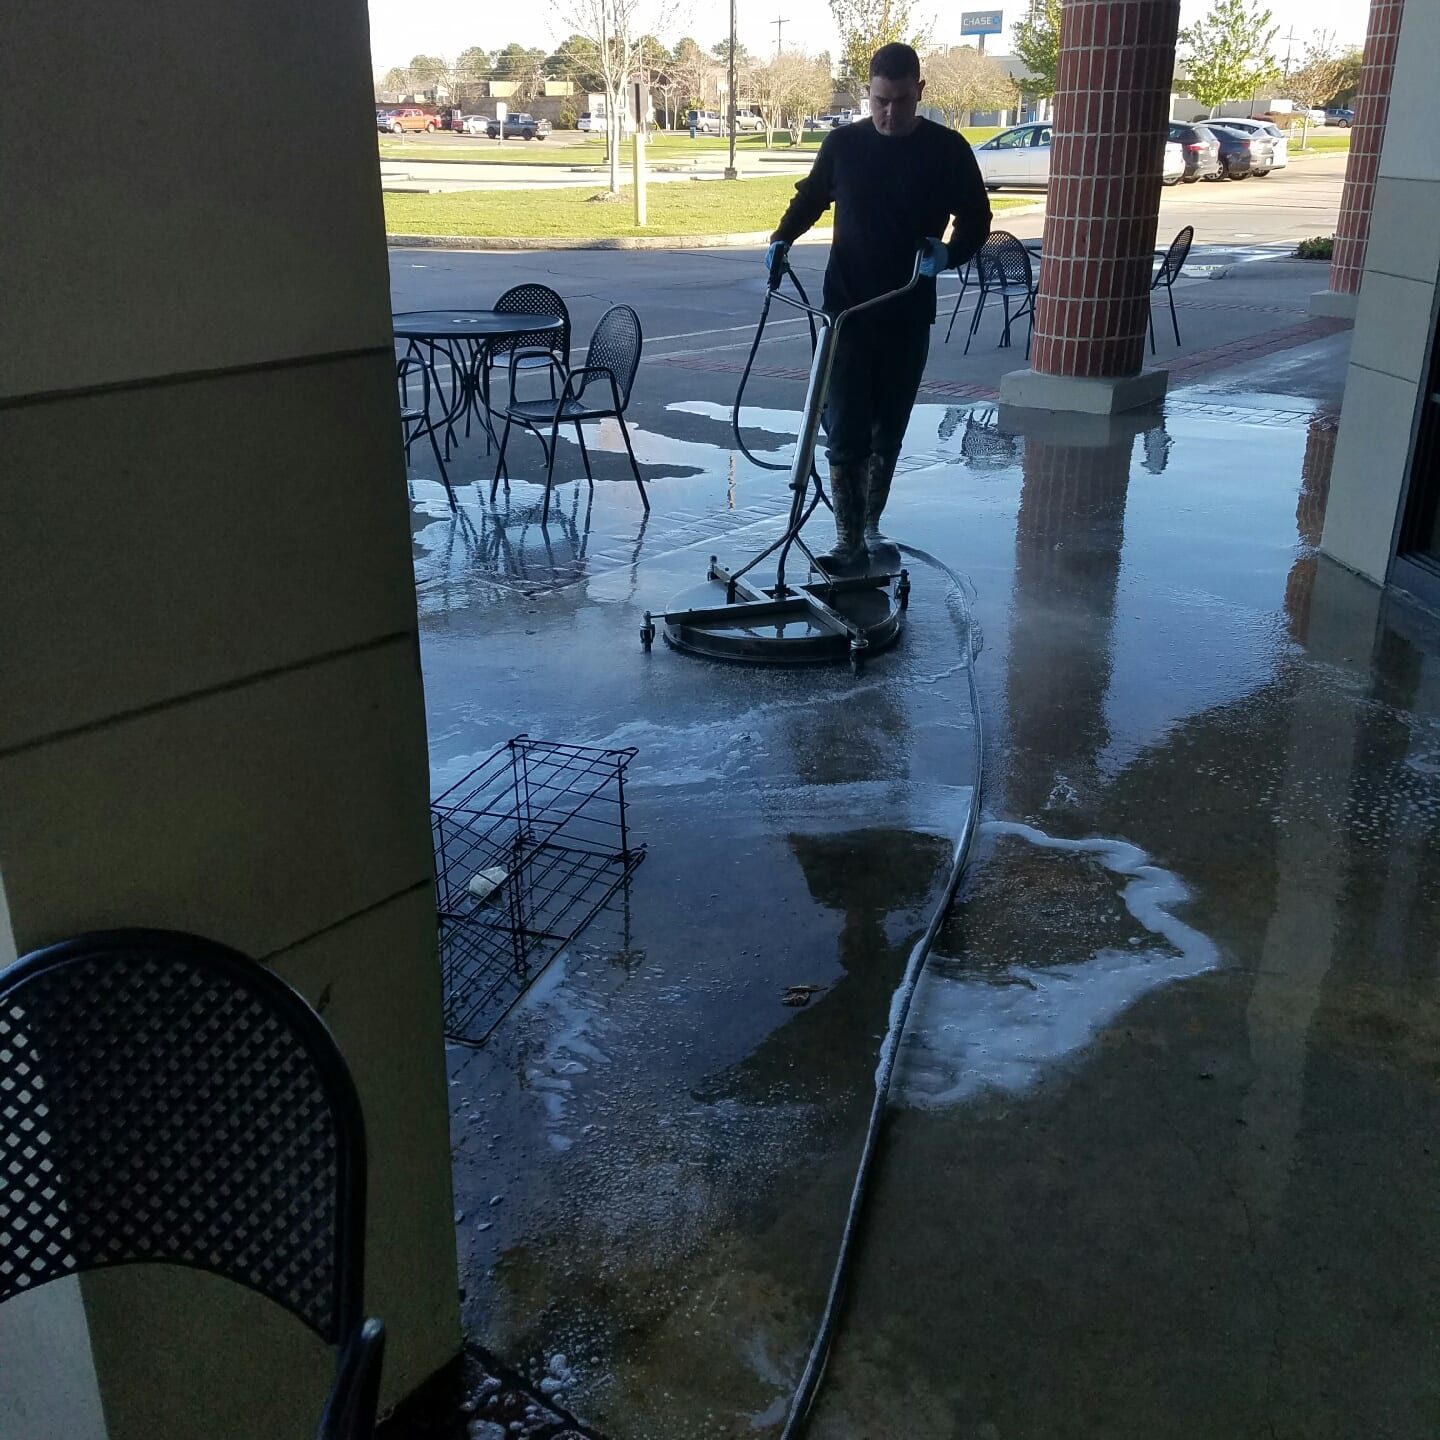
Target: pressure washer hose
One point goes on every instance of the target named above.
(803, 1400)
(750, 361)
(809, 1387)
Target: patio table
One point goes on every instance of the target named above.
(465, 339)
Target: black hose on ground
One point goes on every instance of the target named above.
(813, 1375)
(803, 1400)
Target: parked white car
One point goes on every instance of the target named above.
(596, 123)
(1270, 131)
(1174, 170)
(1019, 159)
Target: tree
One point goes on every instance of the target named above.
(1229, 53)
(721, 51)
(961, 79)
(814, 86)
(652, 64)
(1352, 58)
(1321, 75)
(615, 28)
(397, 80)
(787, 88)
(472, 69)
(577, 60)
(1036, 41)
(430, 72)
(866, 25)
(694, 73)
(524, 69)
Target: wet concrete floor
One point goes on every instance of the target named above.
(1161, 1161)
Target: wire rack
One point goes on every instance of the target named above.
(528, 847)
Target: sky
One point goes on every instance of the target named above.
(402, 28)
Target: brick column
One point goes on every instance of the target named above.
(1367, 135)
(1117, 63)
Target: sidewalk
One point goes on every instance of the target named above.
(1160, 1164)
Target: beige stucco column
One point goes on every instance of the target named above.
(212, 713)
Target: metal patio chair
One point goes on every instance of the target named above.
(597, 390)
(1172, 262)
(1003, 267)
(167, 1100)
(415, 420)
(967, 279)
(533, 300)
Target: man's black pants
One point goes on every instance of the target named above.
(877, 371)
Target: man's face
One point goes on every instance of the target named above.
(892, 104)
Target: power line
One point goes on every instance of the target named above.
(779, 23)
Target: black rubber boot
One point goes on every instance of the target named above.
(847, 495)
(880, 472)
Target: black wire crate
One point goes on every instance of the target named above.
(528, 847)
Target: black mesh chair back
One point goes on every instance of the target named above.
(1004, 268)
(1171, 264)
(1175, 257)
(1003, 260)
(534, 300)
(615, 346)
(165, 1099)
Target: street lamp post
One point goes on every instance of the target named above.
(731, 173)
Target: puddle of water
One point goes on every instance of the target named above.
(970, 1035)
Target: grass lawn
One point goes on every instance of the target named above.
(696, 207)
(1320, 145)
(590, 150)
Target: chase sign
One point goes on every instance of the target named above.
(982, 22)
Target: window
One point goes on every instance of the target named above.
(1042, 136)
(1011, 140)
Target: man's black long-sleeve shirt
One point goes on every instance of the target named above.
(890, 192)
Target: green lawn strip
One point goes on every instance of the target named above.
(676, 208)
(660, 149)
(1320, 145)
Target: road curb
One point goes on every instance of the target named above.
(736, 240)
(599, 242)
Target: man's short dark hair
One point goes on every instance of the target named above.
(895, 62)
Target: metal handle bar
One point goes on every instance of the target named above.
(828, 319)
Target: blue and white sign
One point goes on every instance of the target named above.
(982, 22)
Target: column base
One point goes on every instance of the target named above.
(1028, 389)
(1332, 305)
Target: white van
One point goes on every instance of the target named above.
(595, 121)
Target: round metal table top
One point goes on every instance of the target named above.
(470, 324)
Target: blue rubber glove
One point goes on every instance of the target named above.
(934, 257)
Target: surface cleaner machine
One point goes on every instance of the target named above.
(825, 617)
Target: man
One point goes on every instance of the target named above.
(896, 181)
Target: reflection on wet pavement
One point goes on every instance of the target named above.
(1163, 1164)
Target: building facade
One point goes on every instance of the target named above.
(1383, 518)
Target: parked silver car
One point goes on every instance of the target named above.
(1280, 142)
(1019, 158)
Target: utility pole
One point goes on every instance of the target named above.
(731, 173)
(1289, 40)
(779, 25)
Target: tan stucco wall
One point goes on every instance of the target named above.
(1396, 312)
(213, 716)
